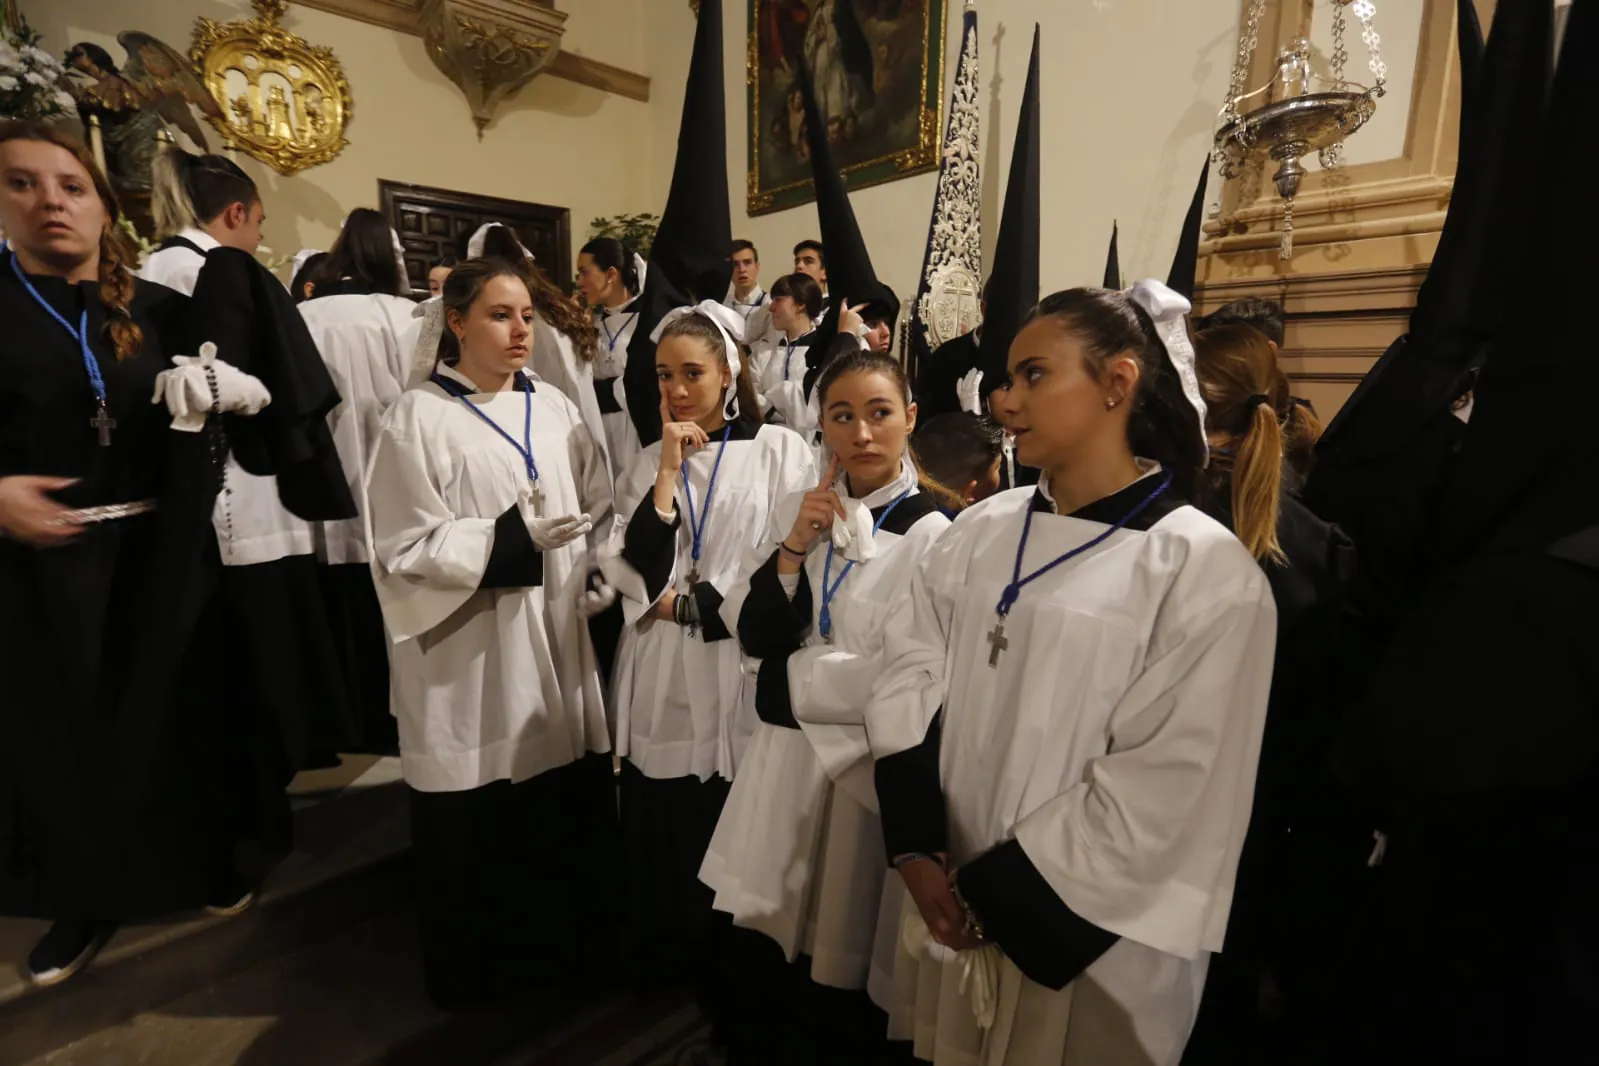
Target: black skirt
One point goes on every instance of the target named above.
(773, 1014)
(356, 621)
(517, 883)
(666, 829)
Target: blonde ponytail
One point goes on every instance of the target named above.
(1257, 484)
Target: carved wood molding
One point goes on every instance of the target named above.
(404, 16)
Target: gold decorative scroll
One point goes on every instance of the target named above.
(490, 48)
(284, 100)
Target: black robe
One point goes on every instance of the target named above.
(1300, 836)
(941, 372)
(1480, 743)
(91, 826)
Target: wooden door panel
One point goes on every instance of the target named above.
(433, 223)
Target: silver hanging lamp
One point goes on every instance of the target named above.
(1297, 112)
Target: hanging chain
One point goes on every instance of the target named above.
(1246, 54)
(1365, 11)
(1285, 250)
(1340, 54)
(1332, 156)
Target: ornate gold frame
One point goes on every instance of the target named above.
(287, 129)
(924, 156)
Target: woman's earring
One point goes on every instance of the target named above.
(1110, 403)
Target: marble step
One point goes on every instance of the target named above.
(349, 864)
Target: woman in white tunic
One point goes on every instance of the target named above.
(695, 507)
(610, 277)
(567, 339)
(778, 361)
(482, 487)
(1069, 716)
(367, 336)
(797, 859)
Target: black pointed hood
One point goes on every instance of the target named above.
(1469, 42)
(689, 258)
(1457, 311)
(1185, 262)
(850, 276)
(1113, 260)
(1013, 283)
(1528, 474)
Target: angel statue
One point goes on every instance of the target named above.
(135, 104)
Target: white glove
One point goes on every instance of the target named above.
(551, 533)
(186, 390)
(970, 392)
(594, 594)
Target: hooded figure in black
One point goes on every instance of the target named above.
(688, 260)
(1382, 463)
(1479, 741)
(856, 298)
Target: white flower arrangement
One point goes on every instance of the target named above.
(32, 81)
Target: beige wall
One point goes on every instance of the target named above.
(1130, 89)
(556, 142)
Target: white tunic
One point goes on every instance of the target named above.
(488, 684)
(682, 705)
(252, 524)
(782, 382)
(556, 361)
(755, 310)
(367, 341)
(617, 326)
(798, 852)
(178, 267)
(1115, 742)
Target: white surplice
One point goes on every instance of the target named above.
(617, 326)
(251, 523)
(488, 684)
(682, 707)
(555, 360)
(798, 851)
(1115, 742)
(782, 381)
(756, 310)
(367, 341)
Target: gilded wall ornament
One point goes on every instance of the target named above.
(491, 48)
(284, 100)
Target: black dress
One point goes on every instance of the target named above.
(1299, 835)
(91, 826)
(1480, 743)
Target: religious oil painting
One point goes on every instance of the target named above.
(878, 68)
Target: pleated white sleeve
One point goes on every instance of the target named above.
(913, 679)
(1146, 845)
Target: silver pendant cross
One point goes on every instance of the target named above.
(997, 643)
(103, 424)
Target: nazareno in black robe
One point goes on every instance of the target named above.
(109, 803)
(1302, 846)
(258, 659)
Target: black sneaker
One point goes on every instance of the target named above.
(68, 947)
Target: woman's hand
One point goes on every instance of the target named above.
(928, 885)
(29, 515)
(679, 440)
(816, 514)
(665, 606)
(850, 320)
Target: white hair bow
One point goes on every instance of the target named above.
(399, 258)
(640, 269)
(474, 246)
(729, 323)
(426, 352)
(299, 260)
(1168, 308)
